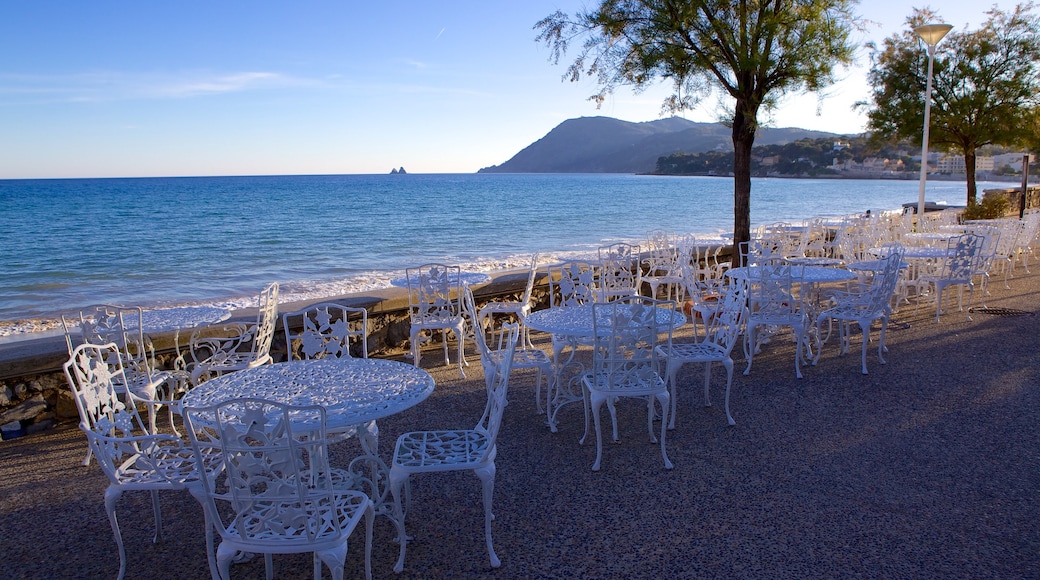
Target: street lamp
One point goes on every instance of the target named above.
(931, 34)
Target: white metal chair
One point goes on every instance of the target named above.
(326, 330)
(123, 326)
(131, 457)
(435, 303)
(571, 284)
(625, 364)
(459, 450)
(775, 294)
(663, 264)
(275, 493)
(518, 308)
(523, 357)
(864, 306)
(620, 274)
(248, 347)
(956, 268)
(723, 325)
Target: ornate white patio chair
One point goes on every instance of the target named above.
(490, 353)
(864, 306)
(275, 493)
(459, 450)
(435, 303)
(249, 345)
(571, 284)
(326, 330)
(987, 255)
(723, 325)
(620, 274)
(702, 297)
(625, 364)
(663, 264)
(144, 383)
(957, 268)
(775, 294)
(131, 457)
(518, 308)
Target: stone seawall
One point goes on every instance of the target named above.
(35, 394)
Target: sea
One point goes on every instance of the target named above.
(178, 241)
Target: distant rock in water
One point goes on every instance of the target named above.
(400, 171)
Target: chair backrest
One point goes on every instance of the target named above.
(624, 355)
(620, 273)
(727, 320)
(275, 487)
(571, 284)
(525, 300)
(325, 330)
(962, 254)
(480, 323)
(883, 284)
(491, 421)
(122, 325)
(266, 321)
(93, 371)
(775, 293)
(434, 291)
(661, 256)
(756, 252)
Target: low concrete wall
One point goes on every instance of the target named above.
(34, 391)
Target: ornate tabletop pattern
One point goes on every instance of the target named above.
(352, 391)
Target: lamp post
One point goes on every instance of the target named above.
(931, 34)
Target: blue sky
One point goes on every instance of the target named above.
(139, 88)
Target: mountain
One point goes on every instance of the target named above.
(608, 145)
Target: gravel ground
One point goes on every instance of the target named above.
(926, 467)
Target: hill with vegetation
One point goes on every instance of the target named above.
(608, 145)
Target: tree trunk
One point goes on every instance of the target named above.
(744, 125)
(969, 175)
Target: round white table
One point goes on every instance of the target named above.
(808, 274)
(570, 325)
(353, 391)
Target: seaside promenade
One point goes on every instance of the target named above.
(928, 467)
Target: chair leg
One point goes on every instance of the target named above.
(864, 326)
(662, 397)
(112, 495)
(157, 512)
(672, 371)
(707, 384)
(397, 480)
(415, 346)
(728, 363)
(487, 478)
(596, 403)
(334, 558)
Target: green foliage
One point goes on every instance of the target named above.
(753, 51)
(991, 207)
(986, 85)
(805, 157)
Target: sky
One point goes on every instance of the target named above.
(136, 88)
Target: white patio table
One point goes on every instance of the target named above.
(569, 325)
(466, 278)
(353, 392)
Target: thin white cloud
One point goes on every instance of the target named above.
(119, 86)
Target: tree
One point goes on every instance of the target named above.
(985, 85)
(754, 51)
